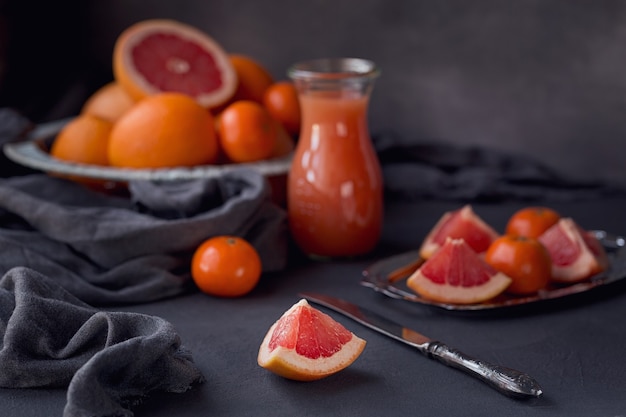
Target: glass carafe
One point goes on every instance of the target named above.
(335, 188)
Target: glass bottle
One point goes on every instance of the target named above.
(335, 187)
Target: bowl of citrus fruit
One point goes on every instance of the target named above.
(464, 263)
(179, 107)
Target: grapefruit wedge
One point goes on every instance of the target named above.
(456, 274)
(576, 254)
(464, 224)
(306, 344)
(163, 55)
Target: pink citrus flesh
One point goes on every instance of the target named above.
(306, 344)
(576, 254)
(163, 55)
(464, 224)
(456, 274)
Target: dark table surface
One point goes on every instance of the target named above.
(574, 347)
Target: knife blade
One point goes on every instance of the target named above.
(506, 380)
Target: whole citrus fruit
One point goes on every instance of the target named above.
(226, 266)
(85, 139)
(305, 344)
(531, 221)
(247, 132)
(284, 142)
(161, 55)
(523, 259)
(281, 101)
(109, 102)
(164, 130)
(252, 78)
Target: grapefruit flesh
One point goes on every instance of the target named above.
(464, 224)
(161, 55)
(456, 274)
(576, 254)
(306, 344)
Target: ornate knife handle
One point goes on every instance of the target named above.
(506, 380)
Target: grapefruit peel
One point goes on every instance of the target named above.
(303, 330)
(462, 223)
(456, 274)
(197, 65)
(576, 254)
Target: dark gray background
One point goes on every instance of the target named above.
(541, 78)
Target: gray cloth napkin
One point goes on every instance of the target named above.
(110, 250)
(65, 248)
(111, 360)
(437, 170)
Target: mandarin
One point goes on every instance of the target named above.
(532, 221)
(284, 142)
(281, 101)
(84, 139)
(226, 266)
(109, 102)
(253, 78)
(164, 130)
(523, 259)
(247, 132)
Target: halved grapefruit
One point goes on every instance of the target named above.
(456, 274)
(163, 55)
(464, 224)
(306, 344)
(576, 253)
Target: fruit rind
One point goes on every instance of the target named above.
(289, 364)
(427, 288)
(153, 124)
(591, 260)
(478, 238)
(135, 83)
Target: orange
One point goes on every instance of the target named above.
(84, 139)
(531, 221)
(159, 55)
(456, 274)
(253, 78)
(247, 132)
(305, 344)
(281, 101)
(164, 130)
(523, 259)
(226, 266)
(109, 102)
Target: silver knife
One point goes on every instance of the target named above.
(508, 381)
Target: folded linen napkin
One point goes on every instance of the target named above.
(110, 250)
(66, 248)
(438, 170)
(110, 360)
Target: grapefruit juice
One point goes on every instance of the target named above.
(335, 190)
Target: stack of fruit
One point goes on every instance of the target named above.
(178, 99)
(468, 261)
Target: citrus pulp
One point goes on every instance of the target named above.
(456, 274)
(161, 55)
(576, 254)
(306, 344)
(464, 224)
